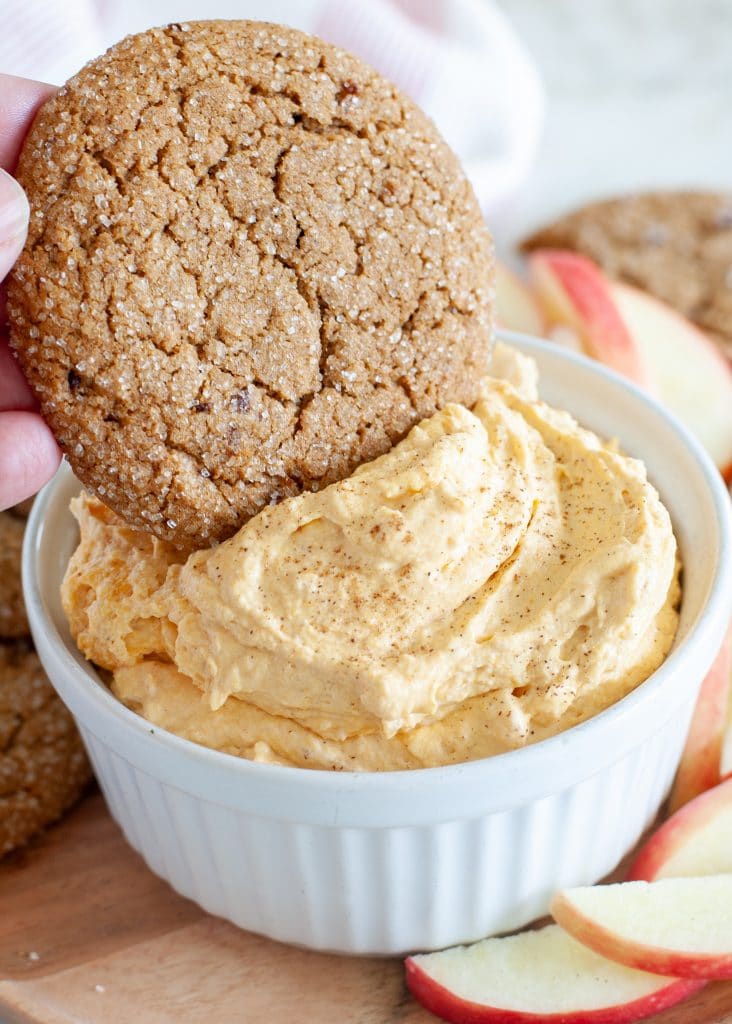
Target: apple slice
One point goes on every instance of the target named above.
(696, 841)
(700, 767)
(675, 926)
(566, 337)
(692, 376)
(516, 307)
(574, 293)
(725, 766)
(537, 976)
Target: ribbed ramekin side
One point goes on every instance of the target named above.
(390, 890)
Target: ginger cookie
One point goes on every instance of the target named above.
(43, 766)
(675, 245)
(13, 621)
(253, 264)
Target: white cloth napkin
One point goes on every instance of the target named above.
(459, 59)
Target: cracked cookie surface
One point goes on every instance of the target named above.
(43, 766)
(252, 266)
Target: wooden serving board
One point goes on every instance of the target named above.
(89, 936)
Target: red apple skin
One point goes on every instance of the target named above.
(700, 766)
(445, 1004)
(654, 959)
(604, 332)
(664, 843)
(700, 367)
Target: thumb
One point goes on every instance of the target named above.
(14, 213)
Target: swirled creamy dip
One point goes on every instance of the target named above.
(498, 576)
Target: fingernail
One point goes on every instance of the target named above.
(14, 209)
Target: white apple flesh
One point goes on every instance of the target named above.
(574, 293)
(725, 766)
(641, 337)
(693, 378)
(700, 767)
(537, 976)
(696, 841)
(516, 307)
(680, 927)
(725, 762)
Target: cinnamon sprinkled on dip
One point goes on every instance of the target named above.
(498, 576)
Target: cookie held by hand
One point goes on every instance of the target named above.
(252, 265)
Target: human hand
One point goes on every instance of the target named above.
(28, 453)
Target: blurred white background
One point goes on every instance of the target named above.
(639, 95)
(637, 91)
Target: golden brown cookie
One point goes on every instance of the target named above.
(676, 245)
(43, 766)
(13, 621)
(252, 265)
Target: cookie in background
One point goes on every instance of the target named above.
(642, 284)
(43, 766)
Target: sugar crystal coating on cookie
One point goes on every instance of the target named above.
(252, 265)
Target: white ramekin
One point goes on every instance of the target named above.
(397, 861)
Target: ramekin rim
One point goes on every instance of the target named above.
(706, 632)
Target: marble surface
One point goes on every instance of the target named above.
(639, 95)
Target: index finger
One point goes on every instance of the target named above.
(20, 99)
